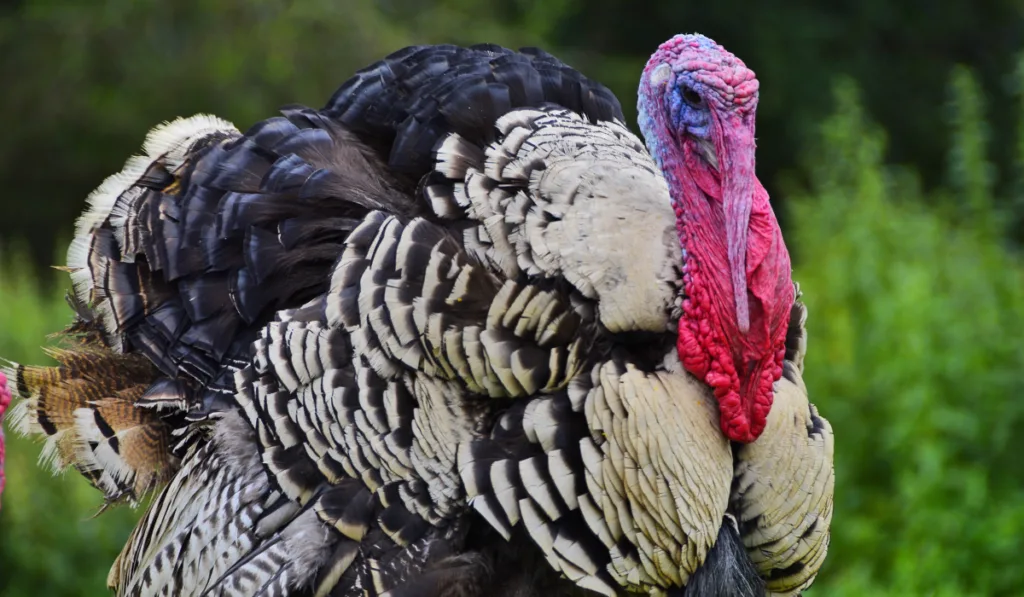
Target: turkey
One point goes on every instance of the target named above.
(457, 332)
(5, 401)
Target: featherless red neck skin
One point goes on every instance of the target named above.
(697, 105)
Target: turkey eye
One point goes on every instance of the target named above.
(692, 97)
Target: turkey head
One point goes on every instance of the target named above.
(697, 105)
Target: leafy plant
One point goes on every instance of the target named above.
(915, 355)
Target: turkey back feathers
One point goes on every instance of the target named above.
(405, 104)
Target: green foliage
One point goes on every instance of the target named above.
(915, 356)
(49, 545)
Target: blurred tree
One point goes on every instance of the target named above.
(89, 79)
(86, 80)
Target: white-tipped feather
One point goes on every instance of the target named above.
(169, 142)
(49, 455)
(114, 470)
(23, 419)
(484, 508)
(99, 205)
(101, 200)
(15, 420)
(173, 139)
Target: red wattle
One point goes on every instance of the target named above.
(744, 397)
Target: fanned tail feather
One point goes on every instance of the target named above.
(87, 409)
(101, 258)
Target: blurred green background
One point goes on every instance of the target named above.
(891, 136)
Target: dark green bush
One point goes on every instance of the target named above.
(916, 354)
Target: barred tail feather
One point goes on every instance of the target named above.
(86, 411)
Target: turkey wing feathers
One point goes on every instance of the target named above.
(207, 234)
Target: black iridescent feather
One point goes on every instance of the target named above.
(404, 104)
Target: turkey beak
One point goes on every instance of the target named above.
(735, 148)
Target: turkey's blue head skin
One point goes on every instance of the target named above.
(697, 104)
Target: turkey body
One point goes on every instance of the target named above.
(420, 341)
